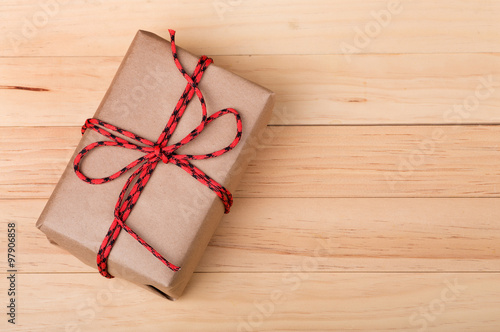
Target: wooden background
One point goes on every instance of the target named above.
(372, 205)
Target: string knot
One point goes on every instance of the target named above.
(165, 154)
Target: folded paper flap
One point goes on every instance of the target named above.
(221, 89)
(193, 59)
(175, 213)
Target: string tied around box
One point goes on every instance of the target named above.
(155, 153)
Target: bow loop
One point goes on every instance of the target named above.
(229, 147)
(137, 143)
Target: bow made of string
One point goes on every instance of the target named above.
(154, 152)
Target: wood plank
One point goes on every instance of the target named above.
(53, 91)
(324, 161)
(272, 235)
(226, 27)
(297, 301)
(321, 89)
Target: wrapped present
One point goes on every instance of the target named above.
(153, 173)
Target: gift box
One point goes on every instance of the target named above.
(152, 175)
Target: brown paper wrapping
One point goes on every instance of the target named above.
(175, 214)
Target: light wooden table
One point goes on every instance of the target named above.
(372, 206)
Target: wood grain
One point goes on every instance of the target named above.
(340, 234)
(98, 27)
(297, 161)
(289, 301)
(310, 89)
(371, 203)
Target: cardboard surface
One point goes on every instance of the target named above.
(175, 214)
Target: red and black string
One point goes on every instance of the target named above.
(154, 153)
